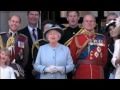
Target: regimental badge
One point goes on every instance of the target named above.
(101, 43)
(91, 42)
(95, 41)
(96, 54)
(99, 49)
(73, 33)
(21, 44)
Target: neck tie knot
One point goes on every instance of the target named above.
(34, 35)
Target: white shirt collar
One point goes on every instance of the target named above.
(31, 32)
(31, 28)
(13, 33)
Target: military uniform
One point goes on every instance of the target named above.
(69, 33)
(89, 54)
(18, 47)
(35, 48)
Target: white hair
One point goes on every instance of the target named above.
(59, 35)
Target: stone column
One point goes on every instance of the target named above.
(4, 21)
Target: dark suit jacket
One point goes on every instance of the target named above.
(25, 31)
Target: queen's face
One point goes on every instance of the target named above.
(53, 36)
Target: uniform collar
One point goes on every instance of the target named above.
(77, 27)
(11, 33)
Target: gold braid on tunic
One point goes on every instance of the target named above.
(36, 45)
(1, 43)
(10, 42)
(82, 30)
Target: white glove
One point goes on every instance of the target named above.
(60, 69)
(51, 69)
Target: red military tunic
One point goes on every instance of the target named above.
(89, 55)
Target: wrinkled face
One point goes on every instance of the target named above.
(33, 17)
(14, 23)
(73, 18)
(3, 57)
(89, 22)
(53, 36)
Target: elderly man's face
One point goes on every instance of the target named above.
(89, 22)
(14, 23)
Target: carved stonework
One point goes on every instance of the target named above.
(82, 13)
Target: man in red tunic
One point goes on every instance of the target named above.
(89, 51)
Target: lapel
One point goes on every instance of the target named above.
(29, 36)
(39, 33)
(27, 33)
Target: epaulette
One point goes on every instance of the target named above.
(65, 28)
(23, 35)
(36, 45)
(3, 33)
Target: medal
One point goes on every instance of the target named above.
(96, 54)
(20, 44)
(99, 49)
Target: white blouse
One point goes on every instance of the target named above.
(7, 73)
(116, 54)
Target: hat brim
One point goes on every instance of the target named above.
(112, 24)
(56, 29)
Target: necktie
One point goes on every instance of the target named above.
(34, 35)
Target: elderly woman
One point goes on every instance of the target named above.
(53, 60)
(114, 31)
